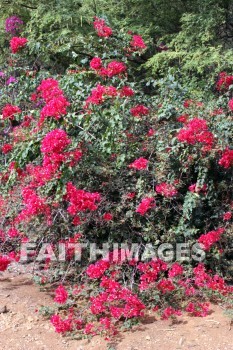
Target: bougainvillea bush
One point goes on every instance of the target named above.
(100, 155)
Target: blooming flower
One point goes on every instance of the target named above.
(224, 81)
(170, 311)
(98, 269)
(126, 91)
(17, 44)
(101, 28)
(230, 104)
(175, 270)
(11, 80)
(137, 42)
(146, 204)
(13, 24)
(226, 160)
(7, 148)
(227, 216)
(196, 130)
(61, 295)
(61, 326)
(139, 110)
(166, 190)
(55, 142)
(9, 111)
(210, 238)
(107, 216)
(4, 262)
(139, 164)
(96, 63)
(80, 200)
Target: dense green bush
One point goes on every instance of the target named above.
(100, 155)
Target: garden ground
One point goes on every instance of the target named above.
(21, 327)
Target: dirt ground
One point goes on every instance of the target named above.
(21, 328)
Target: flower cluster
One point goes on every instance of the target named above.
(150, 272)
(226, 160)
(55, 142)
(170, 311)
(116, 300)
(196, 130)
(139, 111)
(166, 190)
(224, 81)
(61, 295)
(227, 216)
(139, 164)
(7, 148)
(55, 102)
(9, 111)
(175, 270)
(13, 24)
(146, 204)
(137, 42)
(210, 238)
(112, 69)
(195, 188)
(35, 205)
(197, 309)
(100, 93)
(61, 326)
(4, 262)
(98, 269)
(101, 29)
(17, 44)
(107, 217)
(80, 200)
(52, 148)
(230, 104)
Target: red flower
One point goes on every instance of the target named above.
(7, 148)
(139, 110)
(165, 286)
(80, 200)
(146, 204)
(151, 132)
(61, 326)
(4, 262)
(175, 270)
(96, 63)
(107, 216)
(230, 104)
(210, 238)
(183, 118)
(227, 216)
(196, 189)
(17, 43)
(196, 130)
(55, 142)
(61, 295)
(198, 309)
(115, 68)
(101, 28)
(224, 81)
(139, 164)
(166, 190)
(169, 311)
(13, 232)
(126, 91)
(98, 269)
(9, 111)
(227, 158)
(137, 42)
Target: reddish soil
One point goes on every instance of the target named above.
(22, 328)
